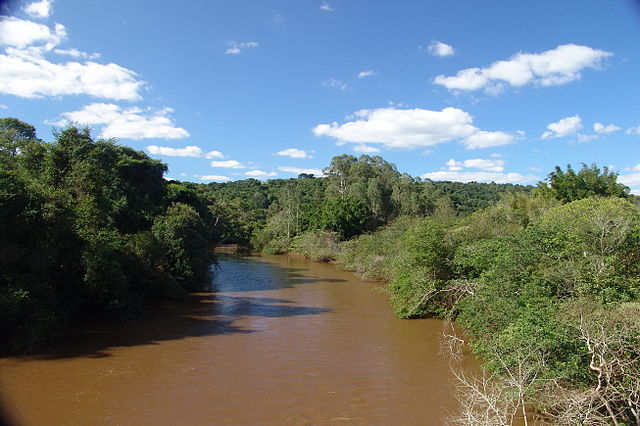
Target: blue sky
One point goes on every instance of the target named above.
(224, 90)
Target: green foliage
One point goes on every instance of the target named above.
(348, 217)
(422, 269)
(319, 246)
(589, 181)
(76, 235)
(182, 234)
(373, 256)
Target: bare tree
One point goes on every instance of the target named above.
(493, 398)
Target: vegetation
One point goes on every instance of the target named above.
(89, 229)
(548, 295)
(545, 280)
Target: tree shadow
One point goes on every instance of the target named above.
(210, 313)
(203, 314)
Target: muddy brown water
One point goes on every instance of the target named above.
(277, 340)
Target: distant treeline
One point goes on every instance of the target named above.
(358, 195)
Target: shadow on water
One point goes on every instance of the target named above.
(238, 273)
(203, 314)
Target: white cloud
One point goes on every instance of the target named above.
(483, 139)
(15, 32)
(237, 47)
(602, 129)
(187, 151)
(75, 53)
(488, 170)
(298, 170)
(412, 128)
(338, 84)
(260, 173)
(213, 154)
(367, 73)
(438, 48)
(632, 180)
(554, 67)
(476, 163)
(40, 9)
(326, 7)
(481, 176)
(132, 123)
(217, 178)
(3, 106)
(366, 149)
(586, 138)
(31, 76)
(25, 72)
(565, 127)
(633, 130)
(295, 153)
(229, 164)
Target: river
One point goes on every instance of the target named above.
(276, 340)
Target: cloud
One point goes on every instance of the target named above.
(2, 106)
(602, 129)
(586, 138)
(632, 180)
(25, 72)
(326, 7)
(213, 178)
(565, 127)
(338, 84)
(633, 130)
(298, 170)
(260, 173)
(19, 33)
(412, 128)
(229, 164)
(40, 9)
(75, 53)
(366, 149)
(367, 73)
(132, 123)
(438, 48)
(488, 170)
(237, 47)
(561, 65)
(481, 176)
(213, 154)
(187, 151)
(295, 153)
(483, 139)
(476, 163)
(29, 76)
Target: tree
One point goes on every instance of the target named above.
(589, 181)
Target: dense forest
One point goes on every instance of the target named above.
(544, 280)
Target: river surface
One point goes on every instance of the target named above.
(276, 340)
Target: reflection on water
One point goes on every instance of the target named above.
(275, 340)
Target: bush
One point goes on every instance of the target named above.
(318, 245)
(372, 256)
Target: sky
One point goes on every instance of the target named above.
(225, 90)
